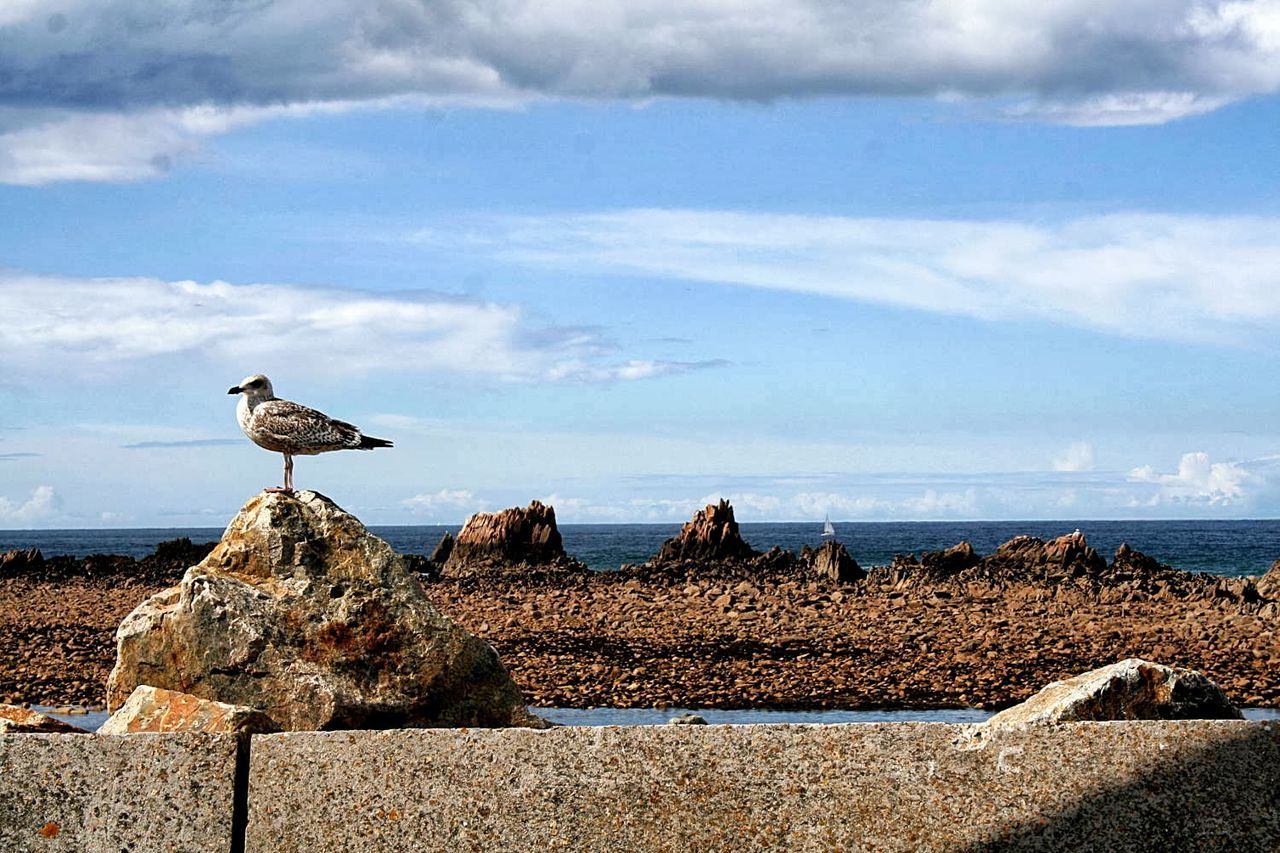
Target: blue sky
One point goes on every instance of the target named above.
(878, 260)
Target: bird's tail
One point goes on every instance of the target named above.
(368, 442)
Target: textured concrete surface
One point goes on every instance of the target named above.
(1186, 785)
(140, 793)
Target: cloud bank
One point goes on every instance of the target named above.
(1194, 278)
(179, 70)
(104, 327)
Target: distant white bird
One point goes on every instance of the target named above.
(286, 427)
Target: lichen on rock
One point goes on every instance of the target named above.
(301, 612)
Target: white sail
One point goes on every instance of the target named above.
(827, 528)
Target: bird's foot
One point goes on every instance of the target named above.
(282, 490)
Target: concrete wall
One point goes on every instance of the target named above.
(1089, 786)
(141, 793)
(1098, 786)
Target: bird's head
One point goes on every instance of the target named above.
(255, 387)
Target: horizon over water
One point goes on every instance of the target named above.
(1225, 547)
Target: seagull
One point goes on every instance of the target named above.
(286, 427)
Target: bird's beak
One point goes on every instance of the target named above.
(235, 390)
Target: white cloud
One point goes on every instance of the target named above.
(1078, 457)
(82, 326)
(445, 504)
(116, 90)
(1198, 278)
(42, 504)
(1197, 480)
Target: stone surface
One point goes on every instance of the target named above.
(516, 539)
(15, 719)
(711, 535)
(302, 613)
(833, 562)
(142, 793)
(1268, 585)
(152, 709)
(1132, 689)
(1136, 786)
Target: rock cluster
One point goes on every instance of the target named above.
(167, 563)
(513, 540)
(303, 614)
(1067, 561)
(1132, 689)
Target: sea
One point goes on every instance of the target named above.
(1232, 548)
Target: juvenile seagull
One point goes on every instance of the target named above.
(292, 429)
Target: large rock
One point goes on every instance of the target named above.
(302, 613)
(710, 536)
(1132, 689)
(152, 709)
(519, 538)
(832, 561)
(1268, 585)
(15, 719)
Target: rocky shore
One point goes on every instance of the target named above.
(711, 622)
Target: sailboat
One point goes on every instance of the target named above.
(828, 530)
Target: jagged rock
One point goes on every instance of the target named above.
(516, 539)
(1268, 586)
(1065, 556)
(152, 709)
(711, 536)
(832, 561)
(17, 562)
(443, 549)
(302, 613)
(1132, 689)
(15, 719)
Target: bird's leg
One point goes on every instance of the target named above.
(288, 476)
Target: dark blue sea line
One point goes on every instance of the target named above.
(1220, 547)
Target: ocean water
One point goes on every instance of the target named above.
(659, 716)
(1220, 547)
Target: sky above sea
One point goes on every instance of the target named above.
(883, 261)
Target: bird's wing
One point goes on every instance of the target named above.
(293, 423)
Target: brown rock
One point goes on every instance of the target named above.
(1132, 689)
(513, 539)
(440, 554)
(18, 720)
(301, 612)
(1268, 586)
(831, 560)
(152, 709)
(712, 535)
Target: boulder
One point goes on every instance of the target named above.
(711, 536)
(832, 561)
(1065, 556)
(517, 539)
(1132, 689)
(1268, 586)
(153, 709)
(15, 719)
(302, 613)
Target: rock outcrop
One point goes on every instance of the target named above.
(151, 709)
(513, 540)
(1268, 585)
(300, 612)
(833, 562)
(20, 561)
(1132, 689)
(710, 536)
(18, 720)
